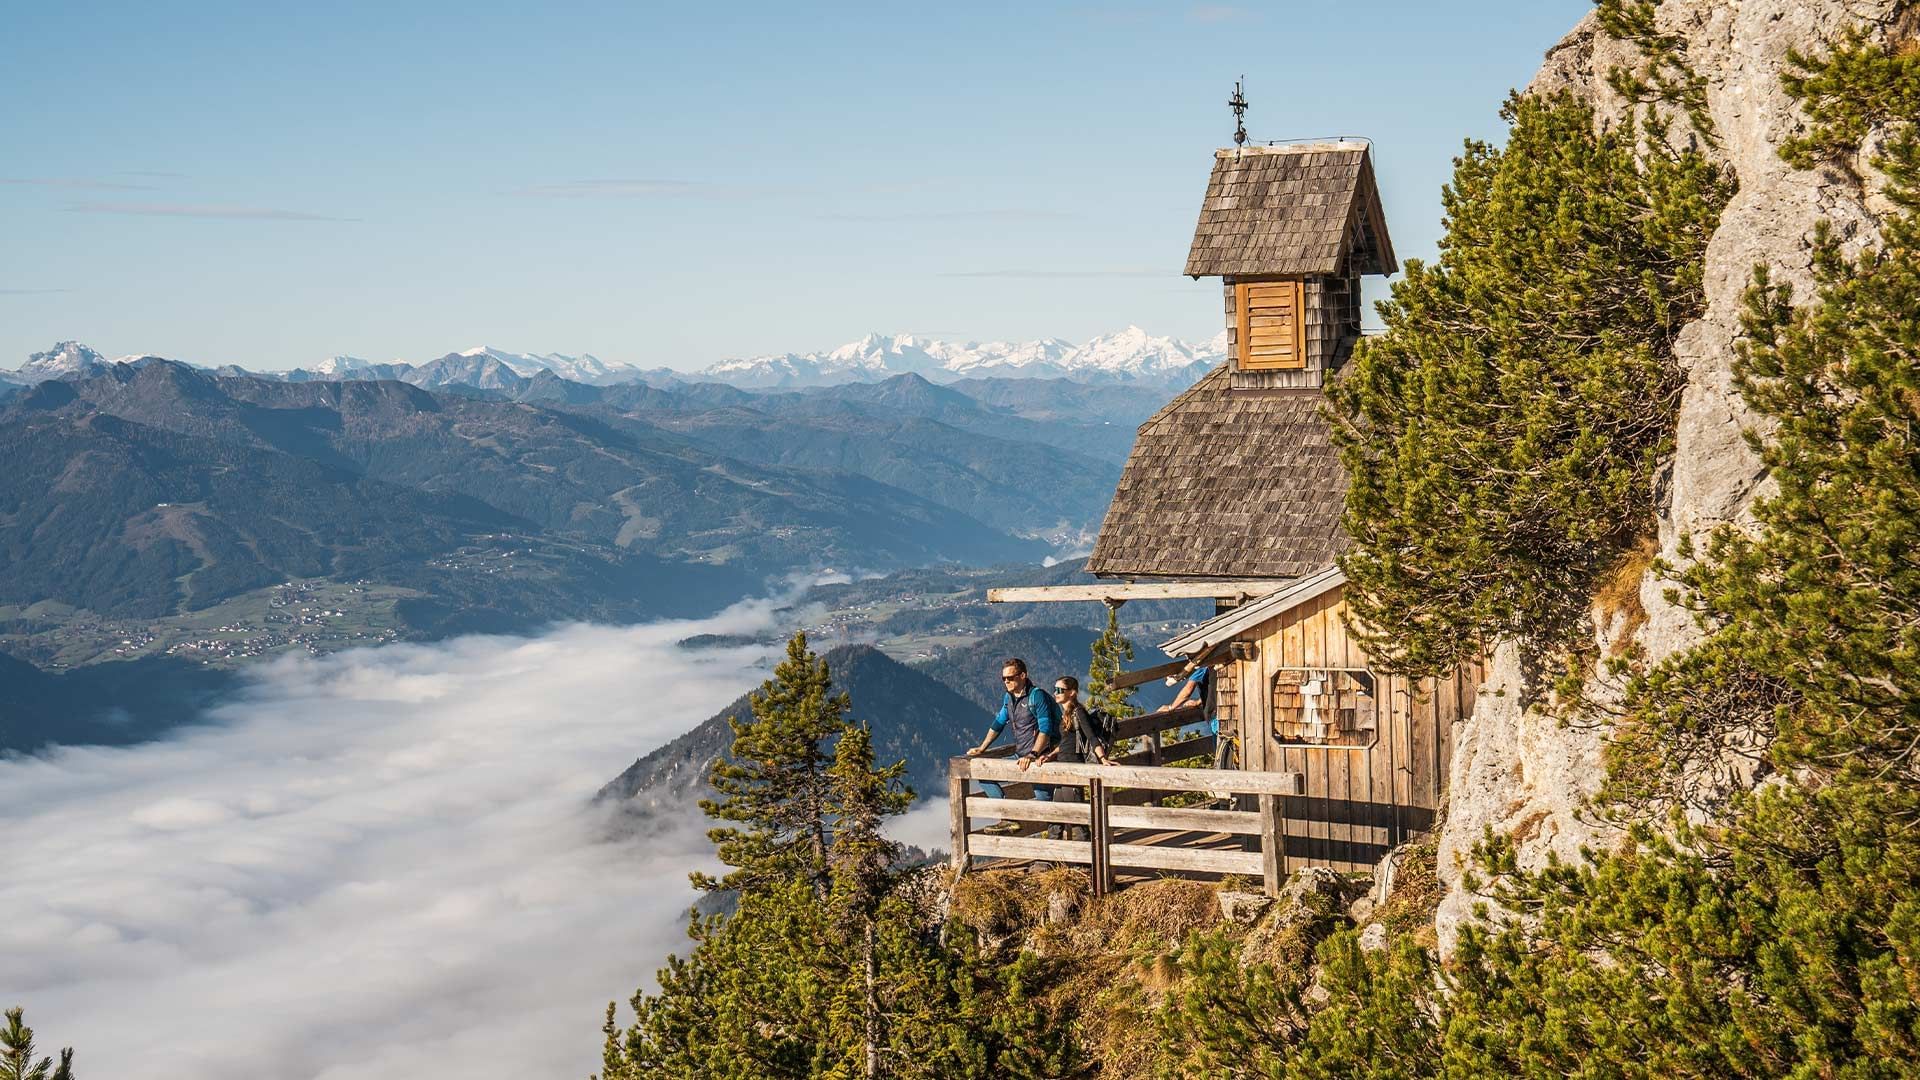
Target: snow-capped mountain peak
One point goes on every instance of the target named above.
(341, 365)
(1132, 352)
(585, 368)
(1129, 355)
(65, 358)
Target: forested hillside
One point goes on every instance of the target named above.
(158, 488)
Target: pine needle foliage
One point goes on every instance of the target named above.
(1112, 653)
(1858, 85)
(16, 1053)
(825, 968)
(1503, 433)
(1663, 76)
(775, 779)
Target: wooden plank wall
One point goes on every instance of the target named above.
(1358, 803)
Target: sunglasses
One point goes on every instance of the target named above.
(1062, 690)
(1009, 678)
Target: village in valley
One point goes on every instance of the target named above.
(314, 617)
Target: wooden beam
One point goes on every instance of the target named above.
(1138, 776)
(1148, 723)
(1203, 860)
(1273, 835)
(1223, 589)
(980, 806)
(1202, 747)
(1147, 675)
(957, 808)
(1100, 836)
(1028, 847)
(1185, 819)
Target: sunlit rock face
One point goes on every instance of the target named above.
(1515, 769)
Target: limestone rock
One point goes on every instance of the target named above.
(1311, 881)
(1515, 770)
(1243, 908)
(1061, 908)
(1374, 937)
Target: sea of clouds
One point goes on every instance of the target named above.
(380, 863)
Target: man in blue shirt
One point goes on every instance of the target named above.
(1035, 722)
(1193, 691)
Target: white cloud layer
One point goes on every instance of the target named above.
(379, 864)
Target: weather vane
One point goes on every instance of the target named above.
(1238, 103)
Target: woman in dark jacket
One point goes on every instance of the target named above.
(1081, 737)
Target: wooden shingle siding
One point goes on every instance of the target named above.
(1291, 210)
(1227, 484)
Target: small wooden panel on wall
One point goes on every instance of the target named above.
(1270, 325)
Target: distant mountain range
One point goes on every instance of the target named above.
(160, 487)
(1130, 356)
(148, 488)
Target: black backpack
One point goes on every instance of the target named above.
(1100, 725)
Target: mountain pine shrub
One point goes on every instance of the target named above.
(1502, 435)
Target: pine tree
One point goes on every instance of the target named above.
(1112, 653)
(824, 969)
(1502, 435)
(16, 1053)
(774, 780)
(862, 864)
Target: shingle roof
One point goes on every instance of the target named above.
(1295, 209)
(1227, 483)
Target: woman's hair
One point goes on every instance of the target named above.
(1072, 683)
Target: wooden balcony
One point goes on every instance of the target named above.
(1125, 831)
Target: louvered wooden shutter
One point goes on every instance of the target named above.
(1271, 330)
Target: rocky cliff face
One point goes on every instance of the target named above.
(1516, 769)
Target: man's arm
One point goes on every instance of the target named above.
(1186, 693)
(999, 721)
(1047, 719)
(1040, 744)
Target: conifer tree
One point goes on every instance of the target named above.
(16, 1053)
(824, 969)
(862, 863)
(1501, 436)
(1112, 652)
(774, 780)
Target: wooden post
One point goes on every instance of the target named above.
(1098, 832)
(957, 808)
(1273, 837)
(1157, 757)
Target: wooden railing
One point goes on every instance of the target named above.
(1122, 833)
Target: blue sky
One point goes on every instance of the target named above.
(673, 184)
